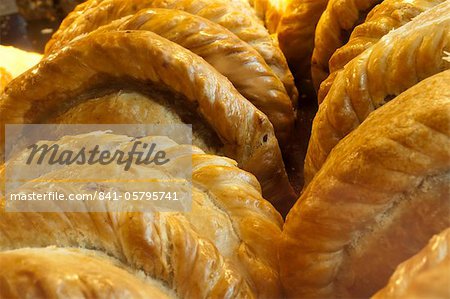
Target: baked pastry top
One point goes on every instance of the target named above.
(98, 66)
(377, 167)
(333, 30)
(383, 18)
(242, 22)
(217, 249)
(396, 62)
(425, 275)
(229, 55)
(377, 200)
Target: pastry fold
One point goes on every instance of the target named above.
(380, 196)
(387, 16)
(215, 250)
(173, 85)
(229, 55)
(229, 15)
(333, 30)
(425, 275)
(396, 62)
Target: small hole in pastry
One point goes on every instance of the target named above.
(389, 97)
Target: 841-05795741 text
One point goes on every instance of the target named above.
(97, 195)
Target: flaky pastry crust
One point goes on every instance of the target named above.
(387, 16)
(333, 30)
(425, 275)
(380, 196)
(270, 11)
(240, 22)
(96, 63)
(50, 273)
(295, 33)
(232, 57)
(399, 60)
(216, 250)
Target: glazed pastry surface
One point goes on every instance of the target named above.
(425, 275)
(47, 273)
(333, 30)
(395, 63)
(387, 16)
(296, 34)
(216, 249)
(242, 22)
(229, 55)
(379, 197)
(270, 11)
(98, 65)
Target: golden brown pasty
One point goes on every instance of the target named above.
(233, 58)
(425, 275)
(14, 62)
(380, 196)
(388, 15)
(229, 15)
(162, 83)
(333, 30)
(216, 250)
(399, 60)
(44, 273)
(296, 34)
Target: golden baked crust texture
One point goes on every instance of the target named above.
(380, 196)
(225, 247)
(89, 65)
(270, 11)
(399, 60)
(387, 16)
(333, 31)
(229, 55)
(259, 6)
(425, 275)
(48, 273)
(229, 15)
(296, 34)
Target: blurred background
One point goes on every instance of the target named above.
(29, 24)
